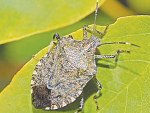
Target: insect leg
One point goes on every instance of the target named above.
(111, 56)
(84, 32)
(105, 30)
(99, 88)
(100, 33)
(81, 104)
(34, 57)
(56, 35)
(93, 29)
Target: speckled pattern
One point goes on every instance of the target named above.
(60, 76)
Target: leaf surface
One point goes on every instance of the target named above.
(125, 86)
(20, 19)
(39, 41)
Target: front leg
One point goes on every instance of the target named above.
(85, 31)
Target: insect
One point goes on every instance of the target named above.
(60, 76)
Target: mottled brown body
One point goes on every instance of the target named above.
(60, 76)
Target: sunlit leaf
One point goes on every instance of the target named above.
(37, 42)
(125, 86)
(22, 18)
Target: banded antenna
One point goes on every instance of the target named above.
(95, 16)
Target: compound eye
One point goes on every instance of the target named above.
(56, 35)
(70, 36)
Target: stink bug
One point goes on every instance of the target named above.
(60, 76)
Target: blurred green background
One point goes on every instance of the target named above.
(14, 54)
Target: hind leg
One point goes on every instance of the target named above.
(97, 93)
(81, 104)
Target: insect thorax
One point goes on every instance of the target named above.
(80, 53)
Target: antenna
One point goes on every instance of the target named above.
(95, 16)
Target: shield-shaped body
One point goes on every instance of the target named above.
(60, 76)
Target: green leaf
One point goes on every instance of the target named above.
(20, 19)
(39, 41)
(125, 86)
(115, 9)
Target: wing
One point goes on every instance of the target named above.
(56, 81)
